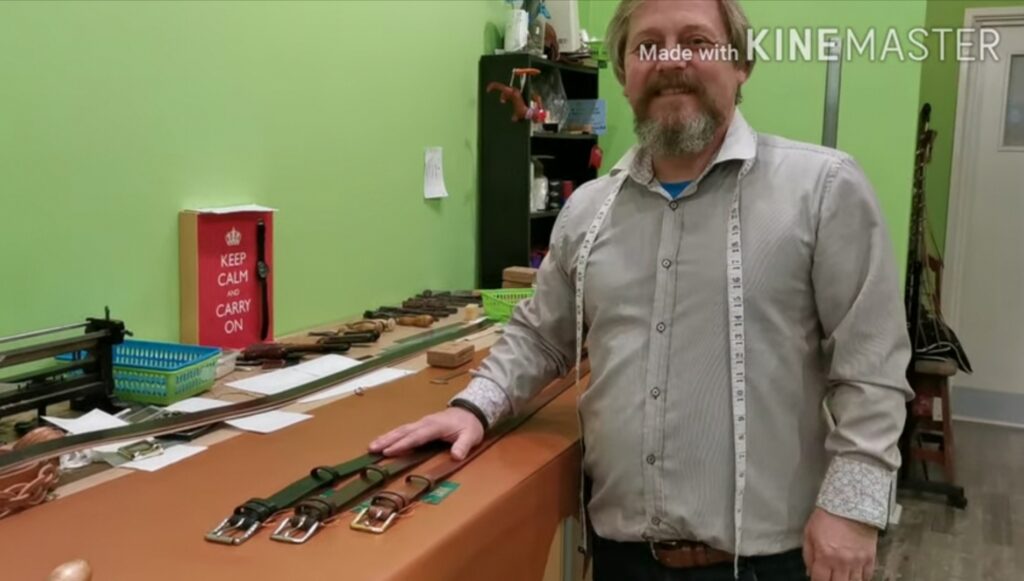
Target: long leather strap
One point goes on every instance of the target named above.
(313, 512)
(262, 272)
(248, 517)
(387, 504)
(171, 424)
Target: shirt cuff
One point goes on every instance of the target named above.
(857, 491)
(488, 397)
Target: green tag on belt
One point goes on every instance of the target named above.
(442, 491)
(435, 496)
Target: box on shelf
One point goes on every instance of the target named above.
(522, 276)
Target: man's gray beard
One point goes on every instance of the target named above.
(676, 137)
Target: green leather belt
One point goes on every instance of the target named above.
(250, 516)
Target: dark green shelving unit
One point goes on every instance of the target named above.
(508, 231)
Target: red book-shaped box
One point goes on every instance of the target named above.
(227, 275)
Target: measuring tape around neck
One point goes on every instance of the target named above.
(737, 334)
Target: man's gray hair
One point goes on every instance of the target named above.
(736, 24)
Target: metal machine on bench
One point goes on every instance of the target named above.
(87, 381)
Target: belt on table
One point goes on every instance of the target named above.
(386, 505)
(262, 273)
(311, 513)
(687, 554)
(248, 517)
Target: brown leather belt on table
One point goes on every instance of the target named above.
(386, 505)
(687, 554)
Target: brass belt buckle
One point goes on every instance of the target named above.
(367, 521)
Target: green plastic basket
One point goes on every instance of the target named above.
(499, 304)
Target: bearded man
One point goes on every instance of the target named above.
(736, 289)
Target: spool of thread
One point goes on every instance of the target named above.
(472, 312)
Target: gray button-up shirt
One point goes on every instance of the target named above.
(824, 323)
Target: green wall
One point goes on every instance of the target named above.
(939, 86)
(116, 115)
(878, 104)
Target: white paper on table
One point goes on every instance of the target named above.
(170, 456)
(326, 365)
(196, 404)
(369, 380)
(433, 175)
(268, 422)
(289, 377)
(273, 382)
(90, 422)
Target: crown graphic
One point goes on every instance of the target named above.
(233, 237)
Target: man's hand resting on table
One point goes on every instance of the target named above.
(454, 425)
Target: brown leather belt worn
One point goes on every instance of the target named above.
(389, 503)
(687, 554)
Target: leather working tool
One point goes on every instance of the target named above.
(262, 273)
(405, 320)
(247, 518)
(264, 351)
(386, 505)
(430, 305)
(350, 338)
(86, 380)
(453, 298)
(72, 443)
(398, 311)
(312, 513)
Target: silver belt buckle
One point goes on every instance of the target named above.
(140, 450)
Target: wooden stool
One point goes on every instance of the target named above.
(928, 436)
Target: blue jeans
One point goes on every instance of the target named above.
(615, 561)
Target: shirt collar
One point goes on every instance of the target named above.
(740, 143)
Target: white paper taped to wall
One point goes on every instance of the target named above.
(433, 175)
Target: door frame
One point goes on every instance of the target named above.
(962, 174)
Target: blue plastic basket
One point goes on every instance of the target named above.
(161, 373)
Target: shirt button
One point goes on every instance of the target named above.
(666, 263)
(655, 521)
(655, 393)
(650, 458)
(674, 205)
(661, 327)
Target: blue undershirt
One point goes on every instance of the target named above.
(674, 189)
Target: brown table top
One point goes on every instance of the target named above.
(498, 524)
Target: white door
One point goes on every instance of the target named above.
(985, 238)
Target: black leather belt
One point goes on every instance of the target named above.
(250, 516)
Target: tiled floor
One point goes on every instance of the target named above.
(984, 542)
